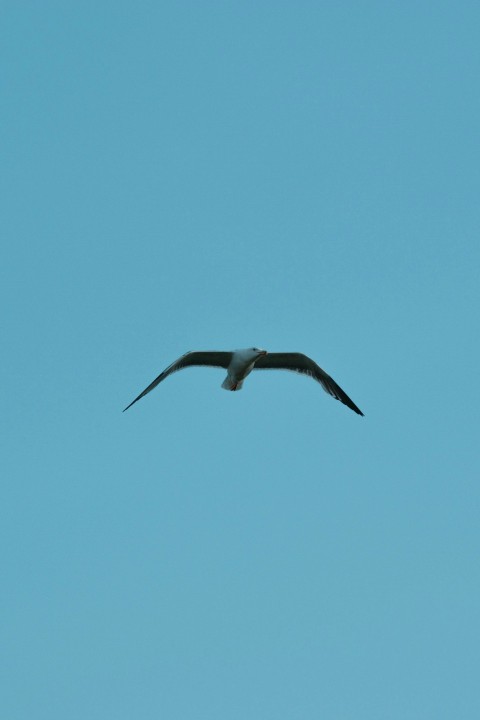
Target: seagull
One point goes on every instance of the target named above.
(240, 363)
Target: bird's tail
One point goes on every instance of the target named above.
(229, 384)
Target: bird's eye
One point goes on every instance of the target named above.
(255, 349)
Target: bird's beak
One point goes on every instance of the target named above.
(263, 352)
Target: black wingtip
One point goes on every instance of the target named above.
(355, 408)
(350, 404)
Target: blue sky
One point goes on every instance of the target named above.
(213, 175)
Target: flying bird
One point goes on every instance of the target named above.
(240, 363)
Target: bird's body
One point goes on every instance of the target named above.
(240, 363)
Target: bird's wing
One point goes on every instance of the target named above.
(214, 359)
(297, 362)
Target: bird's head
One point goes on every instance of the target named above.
(257, 352)
(249, 356)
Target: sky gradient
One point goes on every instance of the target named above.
(216, 175)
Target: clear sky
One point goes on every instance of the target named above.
(213, 175)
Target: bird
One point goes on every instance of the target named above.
(240, 363)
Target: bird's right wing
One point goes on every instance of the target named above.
(300, 363)
(209, 358)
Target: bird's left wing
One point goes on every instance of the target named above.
(300, 363)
